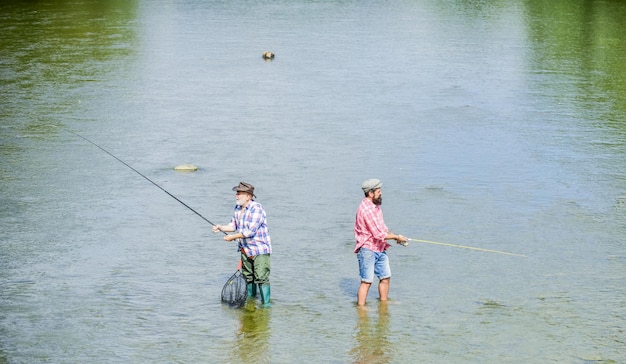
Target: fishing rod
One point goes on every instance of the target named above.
(465, 247)
(139, 173)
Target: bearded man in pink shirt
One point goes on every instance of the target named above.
(371, 235)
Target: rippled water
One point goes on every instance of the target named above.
(493, 124)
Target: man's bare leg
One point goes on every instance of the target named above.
(383, 289)
(361, 295)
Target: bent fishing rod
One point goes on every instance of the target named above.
(139, 173)
(464, 247)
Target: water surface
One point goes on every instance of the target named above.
(495, 124)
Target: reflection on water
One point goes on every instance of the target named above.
(253, 336)
(372, 335)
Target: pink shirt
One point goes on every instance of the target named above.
(369, 228)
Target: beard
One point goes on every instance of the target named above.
(378, 201)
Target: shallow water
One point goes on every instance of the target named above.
(493, 124)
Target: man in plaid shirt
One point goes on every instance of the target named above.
(250, 227)
(371, 235)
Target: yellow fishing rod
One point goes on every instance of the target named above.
(465, 247)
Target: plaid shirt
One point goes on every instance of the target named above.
(251, 222)
(369, 228)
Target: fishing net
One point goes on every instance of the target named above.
(235, 292)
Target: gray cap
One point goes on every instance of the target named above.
(371, 184)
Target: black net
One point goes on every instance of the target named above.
(235, 292)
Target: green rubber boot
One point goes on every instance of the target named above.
(251, 289)
(265, 294)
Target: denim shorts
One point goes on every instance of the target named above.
(373, 263)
